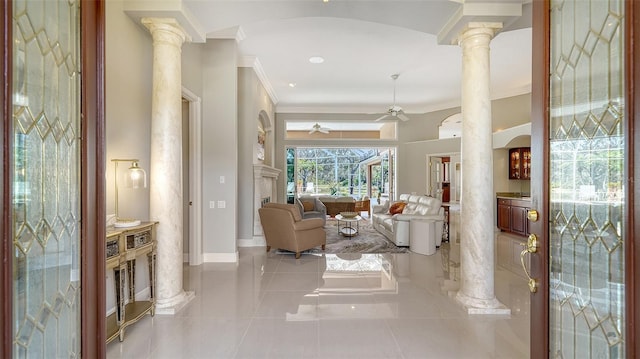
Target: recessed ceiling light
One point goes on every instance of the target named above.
(291, 84)
(316, 59)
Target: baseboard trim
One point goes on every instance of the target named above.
(220, 257)
(257, 241)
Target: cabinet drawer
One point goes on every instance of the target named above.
(520, 203)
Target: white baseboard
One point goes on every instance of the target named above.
(256, 241)
(220, 257)
(144, 294)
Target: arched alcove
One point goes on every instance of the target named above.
(451, 127)
(264, 146)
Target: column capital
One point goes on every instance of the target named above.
(473, 29)
(166, 30)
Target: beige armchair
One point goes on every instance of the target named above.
(284, 228)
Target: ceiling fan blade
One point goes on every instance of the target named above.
(381, 118)
(313, 130)
(403, 117)
(324, 130)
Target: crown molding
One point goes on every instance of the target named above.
(172, 9)
(235, 32)
(254, 62)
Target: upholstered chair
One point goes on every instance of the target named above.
(364, 205)
(284, 228)
(312, 208)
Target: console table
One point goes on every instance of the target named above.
(123, 246)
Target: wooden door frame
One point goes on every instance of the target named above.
(92, 164)
(539, 331)
(93, 206)
(539, 307)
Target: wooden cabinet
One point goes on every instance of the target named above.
(512, 216)
(520, 163)
(123, 246)
(504, 214)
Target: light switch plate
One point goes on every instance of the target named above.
(221, 179)
(222, 204)
(212, 204)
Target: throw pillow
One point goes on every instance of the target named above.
(308, 206)
(397, 207)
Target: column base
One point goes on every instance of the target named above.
(482, 306)
(450, 287)
(173, 305)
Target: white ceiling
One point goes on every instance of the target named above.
(363, 43)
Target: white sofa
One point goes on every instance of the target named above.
(396, 227)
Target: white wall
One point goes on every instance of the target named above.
(219, 148)
(412, 162)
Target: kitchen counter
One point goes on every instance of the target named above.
(512, 195)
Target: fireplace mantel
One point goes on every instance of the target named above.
(264, 190)
(260, 171)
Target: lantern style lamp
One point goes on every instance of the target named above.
(135, 178)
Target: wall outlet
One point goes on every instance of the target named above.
(221, 179)
(222, 204)
(212, 204)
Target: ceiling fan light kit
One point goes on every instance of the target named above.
(318, 128)
(394, 110)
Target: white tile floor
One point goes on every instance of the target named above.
(332, 306)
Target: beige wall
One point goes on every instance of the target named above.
(219, 146)
(252, 101)
(192, 67)
(128, 71)
(210, 72)
(231, 102)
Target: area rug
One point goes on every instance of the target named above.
(368, 240)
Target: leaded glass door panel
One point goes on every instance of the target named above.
(45, 188)
(580, 184)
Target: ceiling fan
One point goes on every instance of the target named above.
(394, 110)
(318, 128)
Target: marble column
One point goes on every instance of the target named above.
(477, 232)
(166, 161)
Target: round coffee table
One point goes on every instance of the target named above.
(348, 229)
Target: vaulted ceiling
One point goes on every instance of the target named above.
(363, 43)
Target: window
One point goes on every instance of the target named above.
(355, 172)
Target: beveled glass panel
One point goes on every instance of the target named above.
(587, 167)
(46, 155)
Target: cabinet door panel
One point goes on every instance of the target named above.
(504, 217)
